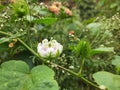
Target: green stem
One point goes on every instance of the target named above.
(81, 67)
(23, 43)
(67, 70)
(31, 50)
(5, 33)
(76, 74)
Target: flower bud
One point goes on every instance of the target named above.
(57, 4)
(68, 11)
(14, 40)
(102, 87)
(11, 45)
(71, 32)
(54, 9)
(49, 49)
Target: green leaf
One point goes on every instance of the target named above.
(105, 49)
(20, 8)
(29, 18)
(46, 21)
(3, 40)
(1, 7)
(94, 28)
(116, 61)
(101, 3)
(109, 80)
(15, 75)
(101, 50)
(82, 49)
(4, 47)
(15, 66)
(113, 5)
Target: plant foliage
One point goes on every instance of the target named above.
(16, 75)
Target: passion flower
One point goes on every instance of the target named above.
(49, 49)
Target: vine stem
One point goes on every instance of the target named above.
(31, 50)
(75, 74)
(63, 68)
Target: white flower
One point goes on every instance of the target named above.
(49, 49)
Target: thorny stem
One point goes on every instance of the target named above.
(63, 68)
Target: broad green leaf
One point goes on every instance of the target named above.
(94, 28)
(109, 80)
(25, 56)
(46, 21)
(18, 66)
(116, 61)
(15, 75)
